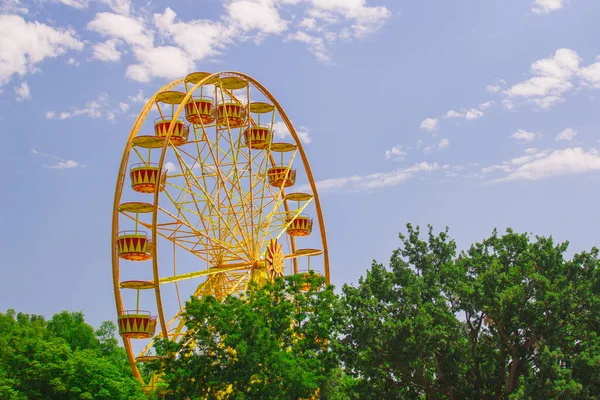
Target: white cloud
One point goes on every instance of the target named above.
(591, 74)
(251, 15)
(485, 106)
(326, 19)
(316, 44)
(376, 180)
(429, 124)
(107, 51)
(364, 19)
(473, 113)
(199, 38)
(64, 165)
(162, 62)
(469, 114)
(60, 163)
(123, 106)
(567, 134)
(13, 7)
(443, 144)
(525, 136)
(131, 30)
(170, 167)
(79, 4)
(546, 6)
(551, 163)
(97, 108)
(310, 24)
(495, 88)
(72, 61)
(397, 153)
(23, 45)
(551, 80)
(531, 150)
(138, 98)
(23, 92)
(184, 42)
(303, 134)
(119, 6)
(281, 131)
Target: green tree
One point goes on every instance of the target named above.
(509, 318)
(71, 327)
(272, 343)
(61, 359)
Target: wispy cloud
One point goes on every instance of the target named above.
(551, 79)
(496, 87)
(397, 153)
(443, 144)
(138, 98)
(546, 6)
(281, 131)
(26, 44)
(429, 124)
(470, 114)
(535, 165)
(97, 108)
(567, 134)
(23, 92)
(168, 45)
(59, 163)
(171, 168)
(525, 136)
(376, 180)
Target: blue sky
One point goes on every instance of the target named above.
(467, 114)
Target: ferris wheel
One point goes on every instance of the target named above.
(208, 200)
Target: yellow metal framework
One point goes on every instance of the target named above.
(217, 206)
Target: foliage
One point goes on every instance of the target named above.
(275, 342)
(509, 318)
(61, 359)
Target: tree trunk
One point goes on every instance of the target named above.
(513, 375)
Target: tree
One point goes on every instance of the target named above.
(274, 342)
(509, 318)
(61, 359)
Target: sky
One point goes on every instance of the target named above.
(469, 114)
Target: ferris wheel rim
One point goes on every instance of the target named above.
(142, 117)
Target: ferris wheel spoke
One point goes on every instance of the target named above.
(241, 165)
(221, 184)
(229, 200)
(223, 246)
(211, 271)
(162, 231)
(187, 221)
(192, 180)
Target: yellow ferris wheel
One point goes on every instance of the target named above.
(205, 203)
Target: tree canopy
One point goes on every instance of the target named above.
(511, 317)
(275, 342)
(508, 318)
(62, 358)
